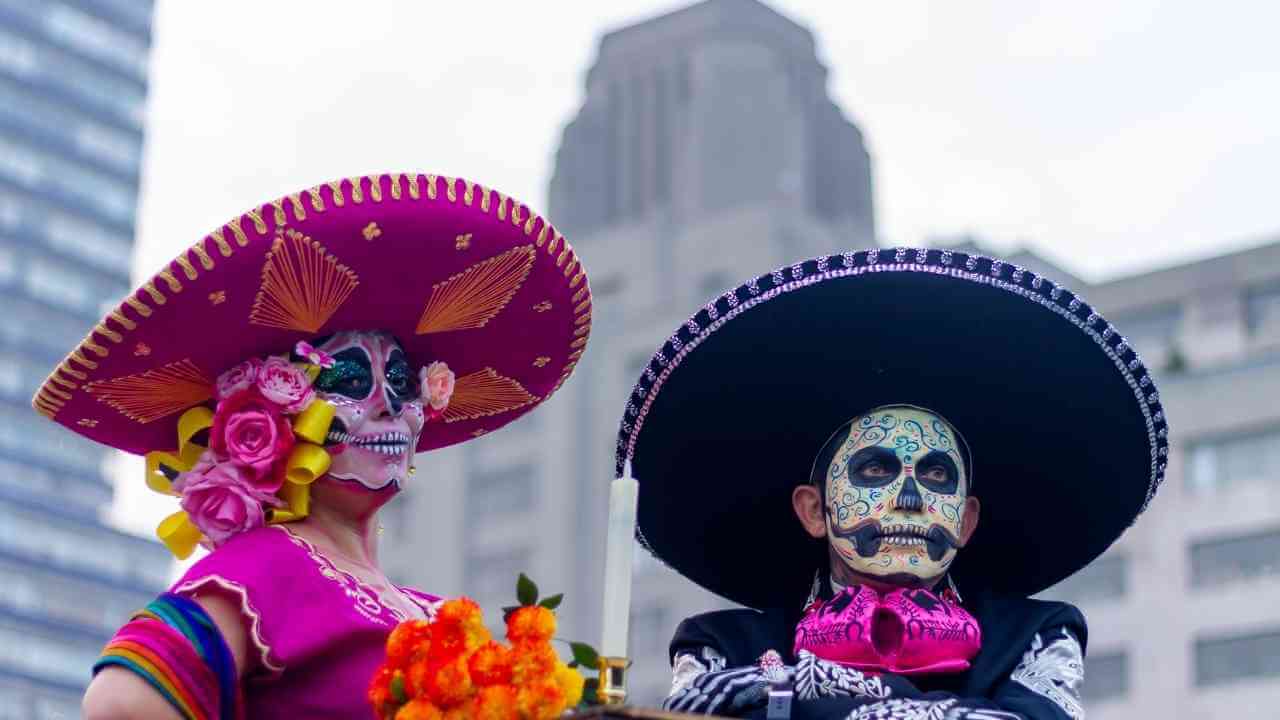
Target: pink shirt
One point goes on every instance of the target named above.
(316, 632)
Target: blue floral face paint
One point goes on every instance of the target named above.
(895, 494)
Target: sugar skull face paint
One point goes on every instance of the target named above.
(895, 494)
(379, 410)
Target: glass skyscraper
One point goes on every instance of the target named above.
(73, 83)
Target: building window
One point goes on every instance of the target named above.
(61, 285)
(1224, 660)
(1262, 307)
(8, 264)
(1236, 559)
(121, 97)
(42, 171)
(1151, 332)
(501, 492)
(1244, 458)
(1105, 579)
(1106, 676)
(108, 250)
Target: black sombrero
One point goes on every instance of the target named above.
(1064, 423)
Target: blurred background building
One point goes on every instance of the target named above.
(706, 151)
(73, 81)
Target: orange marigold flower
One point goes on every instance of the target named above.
(491, 664)
(380, 692)
(448, 684)
(570, 682)
(532, 662)
(409, 639)
(462, 611)
(419, 710)
(448, 641)
(496, 702)
(531, 624)
(540, 701)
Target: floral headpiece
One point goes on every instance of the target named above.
(251, 461)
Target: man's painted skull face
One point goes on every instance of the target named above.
(379, 410)
(895, 494)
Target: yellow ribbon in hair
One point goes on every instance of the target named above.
(179, 534)
(185, 457)
(313, 423)
(306, 463)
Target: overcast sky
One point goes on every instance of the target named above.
(1112, 137)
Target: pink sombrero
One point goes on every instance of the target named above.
(457, 272)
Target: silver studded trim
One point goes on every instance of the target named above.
(1148, 404)
(900, 254)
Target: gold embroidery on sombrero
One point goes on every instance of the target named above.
(217, 297)
(371, 231)
(543, 306)
(485, 393)
(156, 393)
(302, 285)
(462, 242)
(476, 295)
(541, 361)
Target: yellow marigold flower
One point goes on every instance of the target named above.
(419, 710)
(570, 682)
(491, 664)
(409, 639)
(448, 684)
(497, 702)
(540, 701)
(531, 624)
(380, 692)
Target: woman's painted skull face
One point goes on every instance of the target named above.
(379, 410)
(895, 495)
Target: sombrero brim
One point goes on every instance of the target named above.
(1065, 426)
(457, 272)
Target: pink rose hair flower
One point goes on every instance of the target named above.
(437, 382)
(313, 355)
(238, 378)
(221, 500)
(284, 384)
(252, 432)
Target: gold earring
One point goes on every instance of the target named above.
(412, 469)
(380, 528)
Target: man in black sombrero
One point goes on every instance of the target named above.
(882, 454)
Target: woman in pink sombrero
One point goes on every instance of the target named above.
(279, 377)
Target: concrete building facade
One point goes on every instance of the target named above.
(73, 84)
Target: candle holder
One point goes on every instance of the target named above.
(613, 681)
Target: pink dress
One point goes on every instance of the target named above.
(316, 632)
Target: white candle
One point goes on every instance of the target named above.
(618, 556)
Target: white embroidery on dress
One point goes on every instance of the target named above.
(818, 678)
(1055, 671)
(192, 588)
(905, 709)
